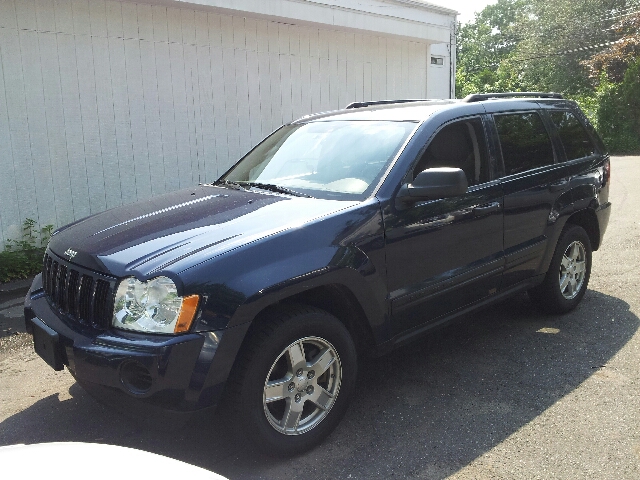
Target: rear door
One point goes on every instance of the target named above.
(535, 185)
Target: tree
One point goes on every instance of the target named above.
(588, 50)
(556, 37)
(614, 61)
(618, 111)
(615, 73)
(483, 46)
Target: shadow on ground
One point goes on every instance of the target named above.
(425, 410)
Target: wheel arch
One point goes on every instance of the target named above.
(585, 218)
(336, 299)
(589, 222)
(340, 302)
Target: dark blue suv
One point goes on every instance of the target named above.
(342, 233)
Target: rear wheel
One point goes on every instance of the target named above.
(294, 380)
(566, 281)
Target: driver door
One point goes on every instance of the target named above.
(445, 254)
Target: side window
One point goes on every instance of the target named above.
(575, 140)
(524, 141)
(462, 145)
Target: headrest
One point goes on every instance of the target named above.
(451, 145)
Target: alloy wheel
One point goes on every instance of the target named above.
(302, 385)
(572, 270)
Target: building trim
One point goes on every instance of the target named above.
(409, 19)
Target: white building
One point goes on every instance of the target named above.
(103, 103)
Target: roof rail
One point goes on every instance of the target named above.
(478, 97)
(382, 102)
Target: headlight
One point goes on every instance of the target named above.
(153, 306)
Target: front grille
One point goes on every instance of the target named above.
(84, 296)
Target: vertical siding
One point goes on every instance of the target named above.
(103, 103)
(9, 212)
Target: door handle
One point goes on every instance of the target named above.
(559, 186)
(486, 209)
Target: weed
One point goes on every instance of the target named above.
(23, 258)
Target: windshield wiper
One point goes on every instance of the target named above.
(264, 186)
(234, 185)
(275, 188)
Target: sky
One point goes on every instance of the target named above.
(465, 7)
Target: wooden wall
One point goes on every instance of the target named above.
(103, 103)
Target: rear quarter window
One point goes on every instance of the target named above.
(524, 141)
(574, 137)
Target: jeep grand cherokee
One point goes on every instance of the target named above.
(341, 233)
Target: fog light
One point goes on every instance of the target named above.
(135, 377)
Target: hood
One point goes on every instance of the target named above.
(145, 238)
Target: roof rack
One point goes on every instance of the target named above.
(478, 97)
(382, 102)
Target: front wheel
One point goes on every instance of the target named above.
(294, 380)
(566, 281)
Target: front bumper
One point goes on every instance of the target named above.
(147, 375)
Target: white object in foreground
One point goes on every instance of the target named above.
(48, 460)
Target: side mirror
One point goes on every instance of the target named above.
(434, 183)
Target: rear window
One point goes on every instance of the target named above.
(524, 141)
(575, 140)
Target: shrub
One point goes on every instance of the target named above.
(618, 113)
(23, 258)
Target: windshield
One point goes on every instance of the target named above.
(335, 159)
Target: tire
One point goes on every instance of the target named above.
(568, 276)
(284, 402)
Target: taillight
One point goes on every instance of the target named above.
(606, 175)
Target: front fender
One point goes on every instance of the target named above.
(246, 295)
(346, 249)
(351, 279)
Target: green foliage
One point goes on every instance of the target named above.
(618, 113)
(589, 103)
(553, 40)
(484, 46)
(23, 258)
(549, 46)
(614, 60)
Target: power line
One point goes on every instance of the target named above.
(594, 21)
(613, 17)
(612, 14)
(628, 10)
(559, 29)
(590, 47)
(567, 52)
(580, 36)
